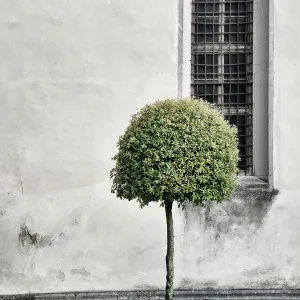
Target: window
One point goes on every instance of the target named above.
(222, 62)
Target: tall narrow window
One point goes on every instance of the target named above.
(222, 64)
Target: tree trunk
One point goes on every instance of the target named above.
(170, 251)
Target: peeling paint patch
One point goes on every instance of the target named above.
(82, 271)
(60, 275)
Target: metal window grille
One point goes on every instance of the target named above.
(222, 38)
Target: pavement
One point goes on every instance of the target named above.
(209, 294)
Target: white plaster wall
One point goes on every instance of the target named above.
(71, 74)
(286, 121)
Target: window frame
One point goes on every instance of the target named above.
(262, 156)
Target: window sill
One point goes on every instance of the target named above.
(254, 188)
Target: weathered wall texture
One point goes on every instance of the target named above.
(286, 120)
(71, 74)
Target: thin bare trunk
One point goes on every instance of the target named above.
(170, 251)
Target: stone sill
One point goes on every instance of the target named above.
(252, 182)
(254, 188)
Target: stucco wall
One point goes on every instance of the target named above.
(72, 72)
(286, 121)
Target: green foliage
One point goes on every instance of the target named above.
(176, 150)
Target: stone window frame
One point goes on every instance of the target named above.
(262, 79)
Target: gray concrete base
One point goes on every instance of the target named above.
(210, 294)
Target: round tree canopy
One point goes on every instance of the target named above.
(176, 150)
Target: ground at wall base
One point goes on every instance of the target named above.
(208, 294)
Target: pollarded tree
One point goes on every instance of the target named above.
(179, 151)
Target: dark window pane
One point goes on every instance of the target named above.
(199, 69)
(201, 59)
(234, 69)
(242, 28)
(242, 141)
(207, 8)
(242, 88)
(226, 59)
(226, 88)
(241, 120)
(241, 130)
(233, 99)
(242, 68)
(208, 28)
(242, 58)
(233, 38)
(233, 58)
(242, 99)
(241, 38)
(242, 151)
(209, 69)
(234, 88)
(206, 38)
(242, 7)
(231, 7)
(211, 98)
(226, 52)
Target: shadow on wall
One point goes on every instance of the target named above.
(248, 242)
